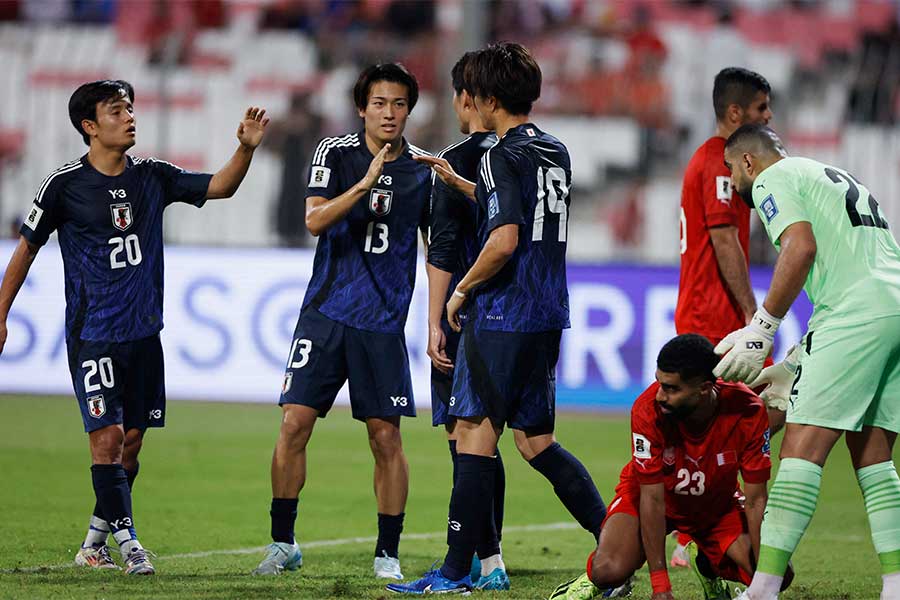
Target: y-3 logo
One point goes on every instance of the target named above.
(121, 523)
(118, 194)
(399, 400)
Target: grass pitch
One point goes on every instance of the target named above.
(201, 503)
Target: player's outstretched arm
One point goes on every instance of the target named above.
(13, 278)
(798, 253)
(653, 536)
(499, 248)
(733, 267)
(249, 133)
(322, 213)
(756, 496)
(451, 178)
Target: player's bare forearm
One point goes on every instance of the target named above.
(322, 213)
(228, 179)
(653, 525)
(755, 498)
(497, 251)
(13, 278)
(443, 169)
(798, 253)
(438, 284)
(733, 267)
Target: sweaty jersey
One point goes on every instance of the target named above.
(705, 305)
(453, 243)
(365, 264)
(856, 274)
(525, 180)
(699, 470)
(111, 241)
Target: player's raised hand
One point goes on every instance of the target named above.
(457, 301)
(437, 343)
(745, 350)
(375, 168)
(253, 126)
(445, 172)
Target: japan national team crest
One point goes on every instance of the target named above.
(380, 202)
(121, 215)
(96, 406)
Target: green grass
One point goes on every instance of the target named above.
(204, 485)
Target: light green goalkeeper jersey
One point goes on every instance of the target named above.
(856, 274)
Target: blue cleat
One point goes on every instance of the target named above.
(433, 583)
(475, 571)
(497, 580)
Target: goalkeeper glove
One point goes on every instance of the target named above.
(747, 348)
(778, 380)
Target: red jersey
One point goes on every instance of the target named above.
(705, 305)
(699, 470)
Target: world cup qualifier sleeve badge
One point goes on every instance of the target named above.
(380, 202)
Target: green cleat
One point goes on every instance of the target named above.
(581, 588)
(713, 589)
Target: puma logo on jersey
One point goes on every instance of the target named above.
(696, 462)
(117, 194)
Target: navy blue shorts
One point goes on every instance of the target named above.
(509, 377)
(119, 383)
(442, 383)
(324, 354)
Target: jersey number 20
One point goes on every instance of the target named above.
(131, 246)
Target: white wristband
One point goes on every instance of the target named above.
(459, 294)
(764, 323)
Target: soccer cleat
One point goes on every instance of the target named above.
(475, 571)
(581, 588)
(496, 580)
(433, 583)
(138, 563)
(713, 589)
(745, 595)
(280, 556)
(95, 557)
(387, 567)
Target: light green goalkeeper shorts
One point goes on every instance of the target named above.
(849, 377)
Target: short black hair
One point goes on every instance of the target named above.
(690, 355)
(458, 73)
(734, 85)
(756, 139)
(84, 100)
(394, 72)
(508, 72)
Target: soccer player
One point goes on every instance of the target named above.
(367, 198)
(833, 241)
(505, 369)
(107, 208)
(452, 249)
(691, 436)
(714, 292)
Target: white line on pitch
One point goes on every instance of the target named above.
(312, 544)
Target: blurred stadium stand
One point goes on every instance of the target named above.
(627, 85)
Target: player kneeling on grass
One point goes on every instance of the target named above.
(691, 436)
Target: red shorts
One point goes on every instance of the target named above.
(713, 541)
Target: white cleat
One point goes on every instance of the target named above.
(280, 557)
(387, 567)
(95, 558)
(745, 595)
(138, 563)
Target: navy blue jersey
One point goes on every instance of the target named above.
(365, 265)
(453, 243)
(111, 241)
(525, 180)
